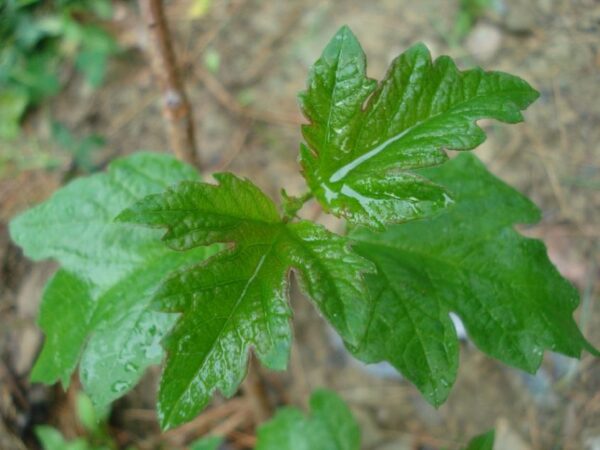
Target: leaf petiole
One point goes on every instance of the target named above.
(291, 205)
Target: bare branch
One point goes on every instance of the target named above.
(177, 110)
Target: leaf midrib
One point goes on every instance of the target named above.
(453, 266)
(409, 315)
(381, 147)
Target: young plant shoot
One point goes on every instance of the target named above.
(158, 266)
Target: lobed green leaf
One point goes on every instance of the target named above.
(237, 299)
(75, 226)
(365, 139)
(96, 309)
(468, 260)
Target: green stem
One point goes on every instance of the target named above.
(291, 205)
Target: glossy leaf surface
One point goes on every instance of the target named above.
(468, 260)
(96, 309)
(238, 298)
(365, 139)
(330, 426)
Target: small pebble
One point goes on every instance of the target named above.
(484, 41)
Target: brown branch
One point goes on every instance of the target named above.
(206, 422)
(177, 110)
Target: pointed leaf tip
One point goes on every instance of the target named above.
(482, 442)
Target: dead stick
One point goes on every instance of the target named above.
(177, 110)
(205, 422)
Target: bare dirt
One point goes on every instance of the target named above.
(247, 122)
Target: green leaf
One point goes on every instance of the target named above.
(482, 442)
(28, 30)
(126, 332)
(38, 76)
(80, 149)
(51, 439)
(65, 314)
(96, 309)
(468, 260)
(103, 9)
(13, 103)
(238, 298)
(209, 443)
(86, 413)
(89, 416)
(365, 140)
(329, 427)
(92, 64)
(104, 252)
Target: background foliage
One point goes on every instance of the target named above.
(38, 39)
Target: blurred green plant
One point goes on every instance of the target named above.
(62, 146)
(80, 149)
(13, 160)
(51, 439)
(208, 443)
(482, 442)
(469, 11)
(91, 419)
(330, 425)
(199, 8)
(37, 38)
(212, 60)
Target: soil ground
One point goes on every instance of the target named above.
(247, 122)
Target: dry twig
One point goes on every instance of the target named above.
(207, 421)
(177, 110)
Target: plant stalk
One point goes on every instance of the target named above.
(177, 110)
(291, 205)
